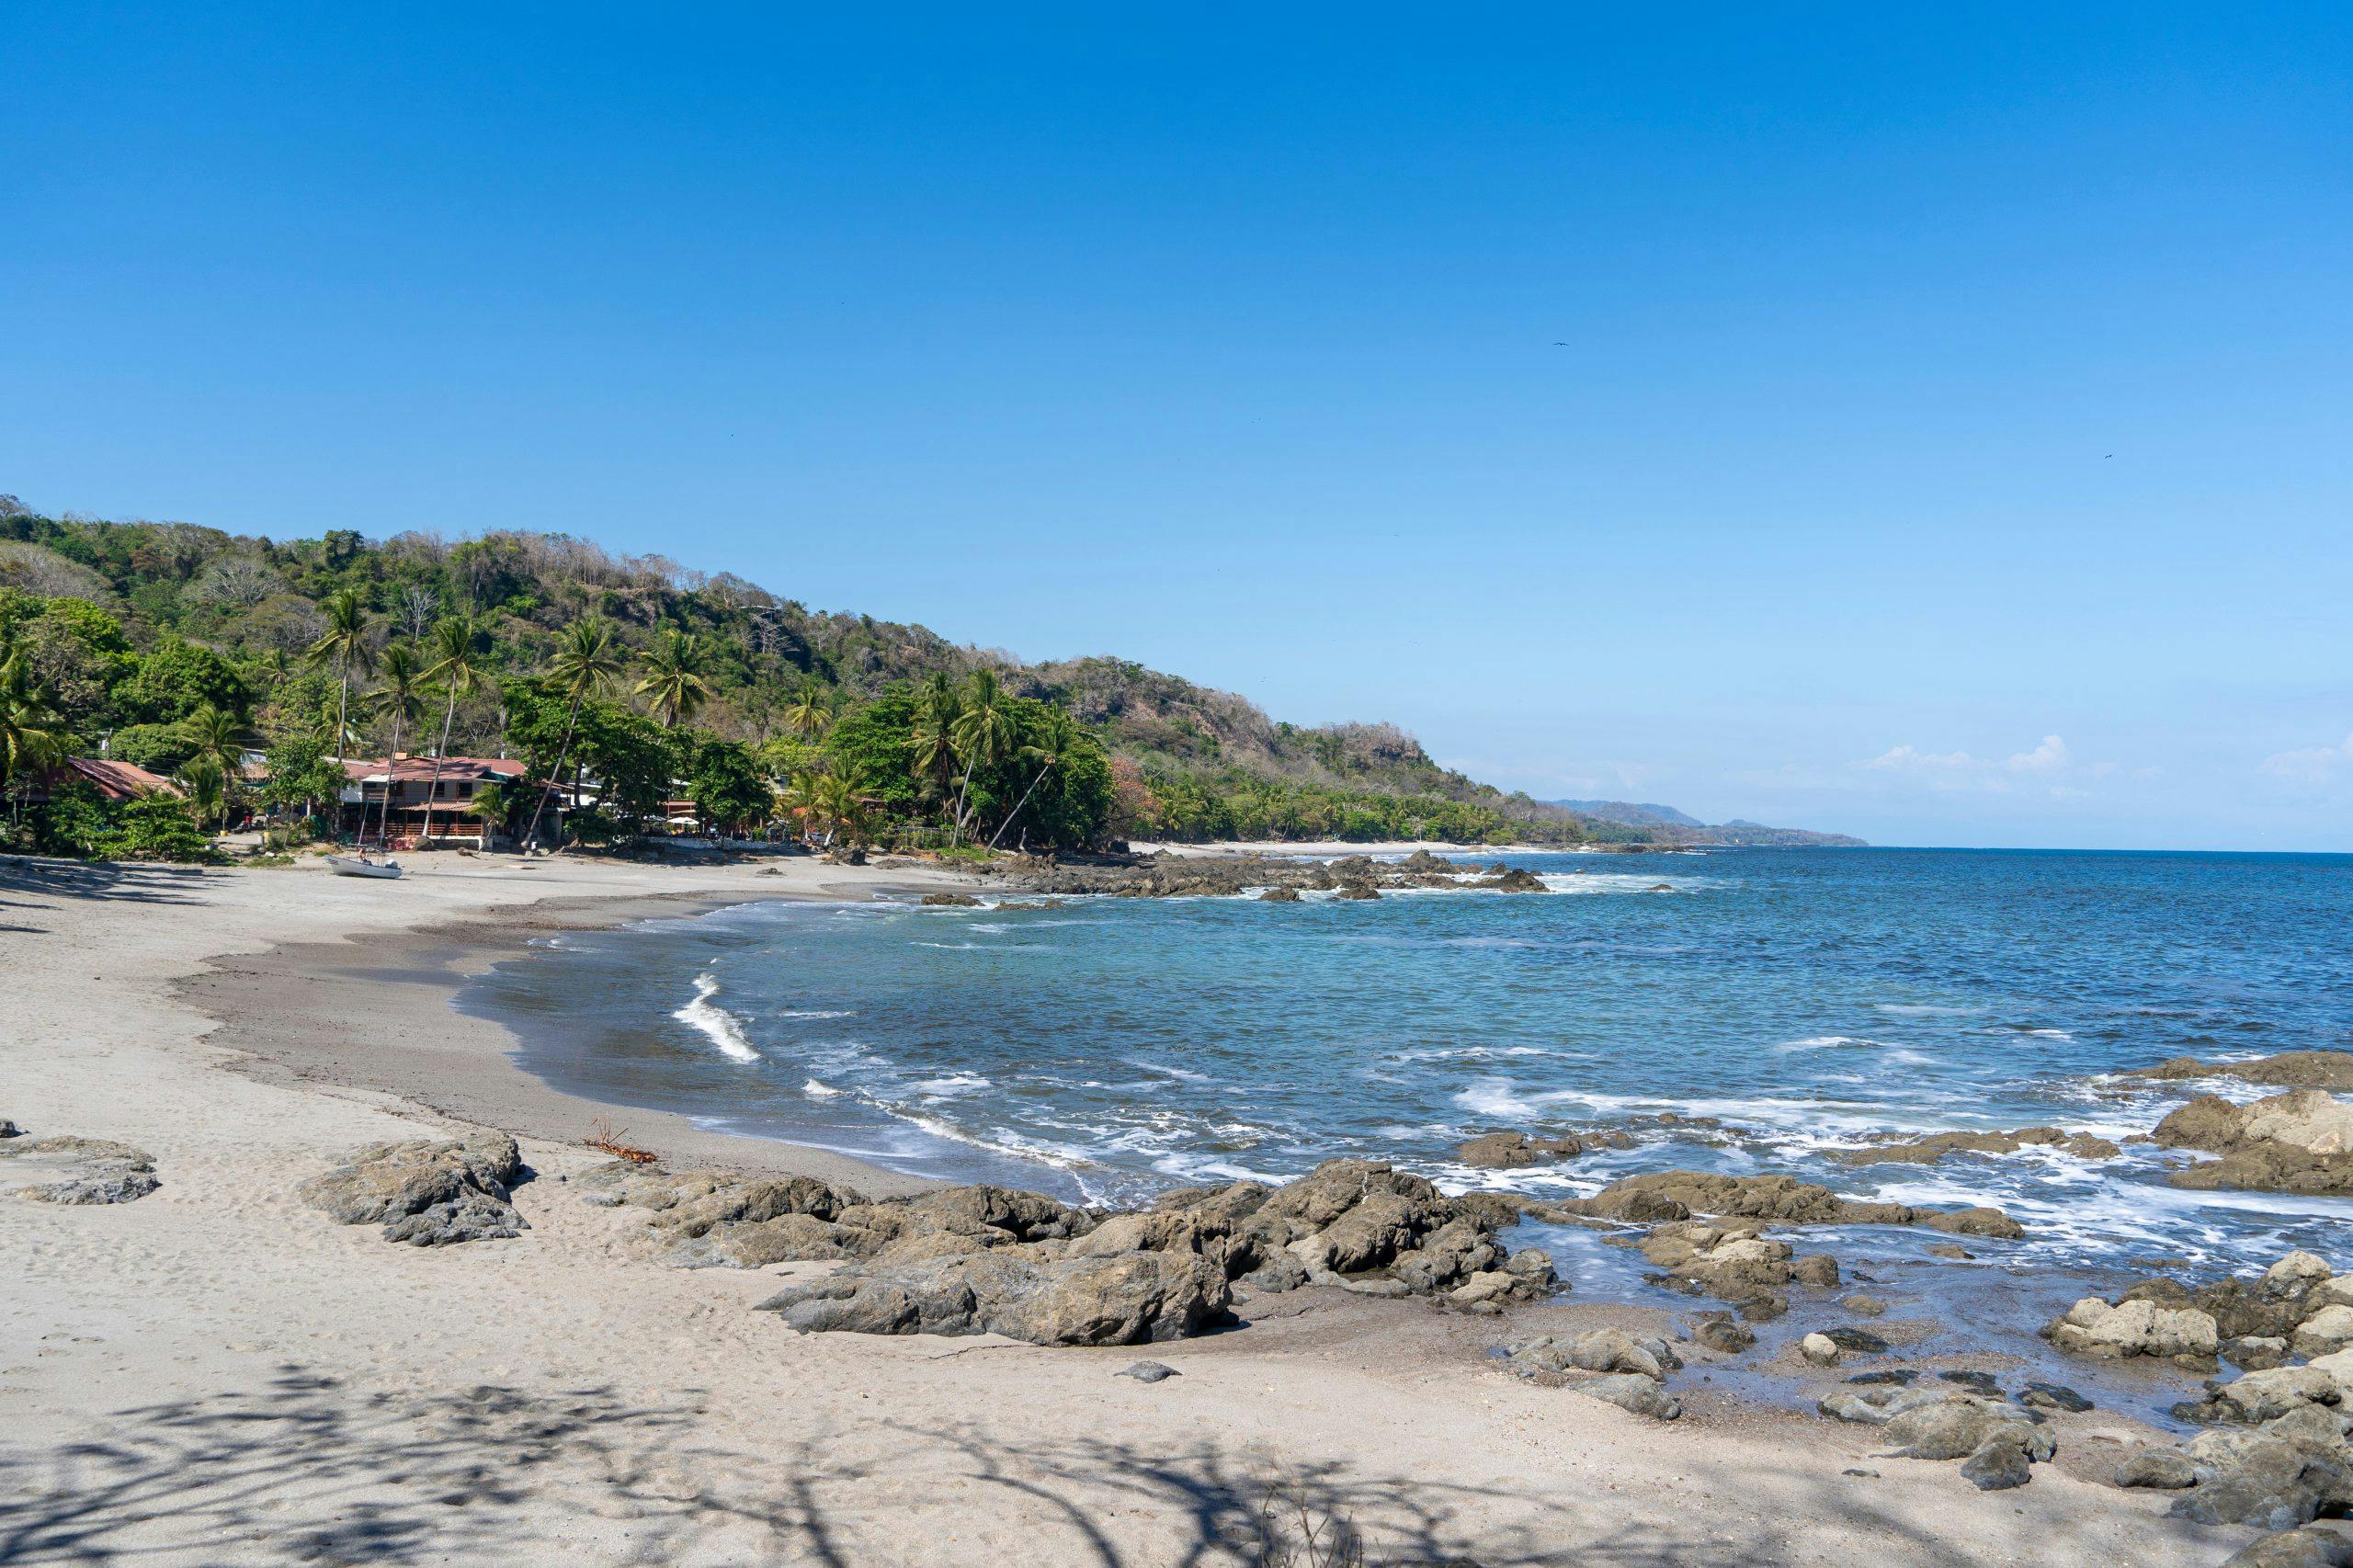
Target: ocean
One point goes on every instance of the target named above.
(1793, 1001)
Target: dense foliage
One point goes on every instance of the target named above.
(663, 691)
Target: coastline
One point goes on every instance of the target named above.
(206, 1293)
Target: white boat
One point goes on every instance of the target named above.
(345, 866)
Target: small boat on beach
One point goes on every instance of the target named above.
(350, 866)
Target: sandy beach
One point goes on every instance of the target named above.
(216, 1374)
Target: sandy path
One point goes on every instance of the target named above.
(214, 1374)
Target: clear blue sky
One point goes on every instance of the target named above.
(1713, 409)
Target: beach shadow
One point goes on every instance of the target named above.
(310, 1469)
(95, 880)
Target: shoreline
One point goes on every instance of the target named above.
(660, 1412)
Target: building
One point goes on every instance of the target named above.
(113, 780)
(451, 788)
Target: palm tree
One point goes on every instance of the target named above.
(457, 670)
(935, 732)
(585, 665)
(403, 685)
(345, 644)
(207, 788)
(808, 715)
(984, 734)
(837, 801)
(32, 732)
(674, 681)
(1051, 743)
(219, 740)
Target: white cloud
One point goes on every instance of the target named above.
(2313, 765)
(2050, 765)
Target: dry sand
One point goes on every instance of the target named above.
(215, 1374)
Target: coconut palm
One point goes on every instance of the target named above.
(1047, 748)
(207, 788)
(673, 682)
(32, 732)
(398, 698)
(457, 669)
(219, 739)
(837, 801)
(935, 733)
(808, 715)
(984, 734)
(345, 645)
(585, 665)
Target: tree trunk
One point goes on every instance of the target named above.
(385, 817)
(532, 828)
(1019, 804)
(440, 753)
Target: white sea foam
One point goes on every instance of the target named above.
(818, 1091)
(952, 1084)
(1829, 1042)
(715, 1022)
(815, 1013)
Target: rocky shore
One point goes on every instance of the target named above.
(1232, 876)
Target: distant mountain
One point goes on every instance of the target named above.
(1632, 814)
(1665, 823)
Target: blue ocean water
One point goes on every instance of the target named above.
(1804, 999)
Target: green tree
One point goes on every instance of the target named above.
(217, 739)
(398, 699)
(808, 716)
(728, 786)
(984, 734)
(674, 679)
(585, 665)
(345, 645)
(175, 679)
(302, 773)
(457, 669)
(31, 734)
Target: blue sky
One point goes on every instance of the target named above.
(1715, 408)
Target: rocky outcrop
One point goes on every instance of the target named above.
(1936, 1146)
(2287, 1471)
(1607, 1364)
(1995, 1441)
(1678, 1195)
(72, 1171)
(1733, 1261)
(2118, 1332)
(1510, 1150)
(2300, 1142)
(951, 900)
(2288, 1070)
(1230, 876)
(426, 1193)
(986, 1259)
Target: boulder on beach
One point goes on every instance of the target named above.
(2096, 1328)
(1356, 1226)
(2311, 1546)
(74, 1171)
(426, 1192)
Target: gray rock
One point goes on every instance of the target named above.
(1724, 1336)
(1861, 1341)
(424, 1192)
(1998, 1464)
(1634, 1391)
(76, 1171)
(1122, 1299)
(1956, 1426)
(1865, 1306)
(2313, 1546)
(1149, 1372)
(2285, 1473)
(1819, 1349)
(2052, 1396)
(2165, 1469)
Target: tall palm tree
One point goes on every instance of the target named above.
(32, 732)
(937, 705)
(1047, 748)
(674, 681)
(837, 801)
(984, 734)
(808, 715)
(344, 645)
(219, 740)
(397, 698)
(585, 665)
(457, 669)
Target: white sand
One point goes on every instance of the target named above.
(217, 1375)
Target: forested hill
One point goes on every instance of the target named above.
(233, 618)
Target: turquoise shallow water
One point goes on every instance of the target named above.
(1807, 999)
